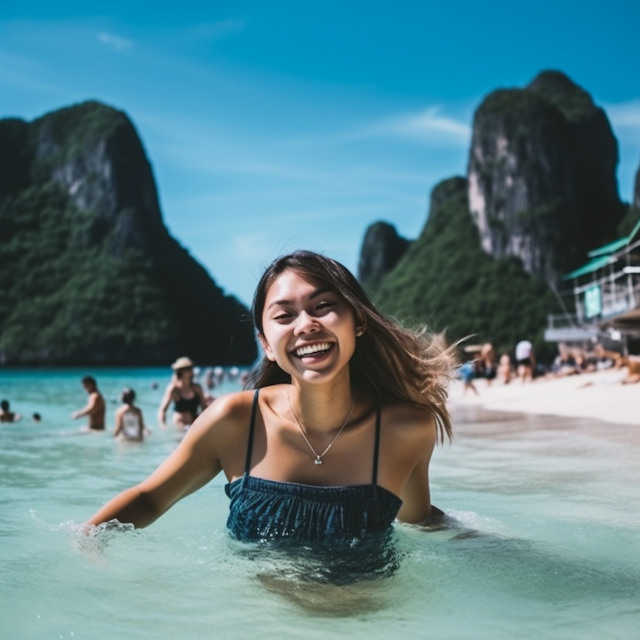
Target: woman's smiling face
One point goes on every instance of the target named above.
(308, 328)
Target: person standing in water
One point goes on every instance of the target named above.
(335, 440)
(6, 415)
(187, 396)
(129, 420)
(95, 407)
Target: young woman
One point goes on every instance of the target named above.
(187, 396)
(129, 419)
(336, 440)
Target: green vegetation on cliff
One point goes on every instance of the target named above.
(88, 271)
(61, 297)
(549, 89)
(382, 247)
(449, 282)
(629, 221)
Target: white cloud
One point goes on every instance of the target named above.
(118, 43)
(426, 126)
(215, 30)
(625, 115)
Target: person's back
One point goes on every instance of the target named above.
(129, 420)
(132, 428)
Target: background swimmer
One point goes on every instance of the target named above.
(129, 420)
(6, 415)
(188, 397)
(95, 408)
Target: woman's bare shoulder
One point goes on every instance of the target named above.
(223, 422)
(230, 407)
(408, 418)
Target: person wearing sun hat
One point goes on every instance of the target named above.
(187, 396)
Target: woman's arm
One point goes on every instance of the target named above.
(118, 428)
(143, 427)
(416, 497)
(200, 393)
(164, 405)
(88, 408)
(195, 462)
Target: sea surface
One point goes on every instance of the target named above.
(543, 536)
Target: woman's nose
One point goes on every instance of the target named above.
(306, 323)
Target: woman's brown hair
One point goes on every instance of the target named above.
(389, 360)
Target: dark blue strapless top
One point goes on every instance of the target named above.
(263, 509)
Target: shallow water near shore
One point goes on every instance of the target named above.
(542, 538)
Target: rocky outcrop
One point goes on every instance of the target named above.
(632, 215)
(381, 250)
(446, 280)
(80, 215)
(542, 181)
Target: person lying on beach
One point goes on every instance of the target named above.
(187, 396)
(633, 370)
(335, 441)
(6, 415)
(95, 407)
(129, 419)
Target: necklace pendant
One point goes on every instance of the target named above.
(317, 460)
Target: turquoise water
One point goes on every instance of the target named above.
(544, 539)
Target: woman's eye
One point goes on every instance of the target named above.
(324, 305)
(282, 316)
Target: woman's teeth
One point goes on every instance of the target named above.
(312, 348)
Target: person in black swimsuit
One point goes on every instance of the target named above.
(187, 396)
(335, 444)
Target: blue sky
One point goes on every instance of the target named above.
(273, 126)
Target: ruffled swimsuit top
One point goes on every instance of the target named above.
(262, 510)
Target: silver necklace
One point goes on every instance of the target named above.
(319, 456)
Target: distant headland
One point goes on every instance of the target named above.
(88, 271)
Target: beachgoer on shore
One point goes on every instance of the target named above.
(564, 364)
(95, 407)
(336, 440)
(488, 359)
(187, 396)
(504, 369)
(525, 360)
(6, 415)
(129, 419)
(467, 373)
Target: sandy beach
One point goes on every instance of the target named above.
(596, 395)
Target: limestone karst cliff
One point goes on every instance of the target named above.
(381, 250)
(88, 270)
(542, 174)
(446, 279)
